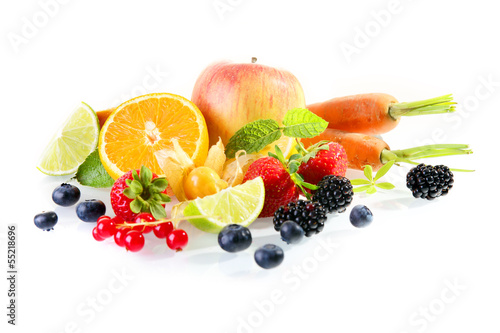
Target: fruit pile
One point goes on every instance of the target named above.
(131, 234)
(245, 147)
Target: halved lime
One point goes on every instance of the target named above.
(73, 142)
(240, 204)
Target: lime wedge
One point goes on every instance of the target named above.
(240, 204)
(73, 142)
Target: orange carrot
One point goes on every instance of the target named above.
(103, 115)
(362, 149)
(375, 113)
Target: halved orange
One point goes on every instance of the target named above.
(138, 128)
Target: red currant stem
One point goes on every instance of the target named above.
(154, 223)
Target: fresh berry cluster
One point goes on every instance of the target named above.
(278, 183)
(131, 234)
(334, 193)
(323, 159)
(310, 216)
(67, 195)
(429, 182)
(139, 191)
(236, 238)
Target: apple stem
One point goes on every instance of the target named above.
(254, 60)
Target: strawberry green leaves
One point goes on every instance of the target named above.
(292, 166)
(146, 193)
(370, 184)
(254, 136)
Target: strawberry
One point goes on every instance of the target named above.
(321, 160)
(139, 191)
(279, 186)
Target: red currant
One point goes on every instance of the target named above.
(106, 228)
(96, 235)
(118, 220)
(144, 217)
(120, 236)
(177, 239)
(134, 241)
(163, 229)
(103, 217)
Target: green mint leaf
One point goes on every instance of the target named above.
(360, 181)
(361, 188)
(92, 173)
(136, 206)
(368, 171)
(385, 186)
(383, 170)
(302, 123)
(129, 193)
(136, 186)
(372, 189)
(146, 175)
(159, 184)
(253, 137)
(157, 210)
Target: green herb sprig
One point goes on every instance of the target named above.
(370, 184)
(254, 136)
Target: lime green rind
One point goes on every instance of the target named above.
(232, 205)
(69, 147)
(201, 223)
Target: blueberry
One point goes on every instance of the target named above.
(269, 256)
(234, 238)
(291, 232)
(46, 220)
(360, 216)
(66, 195)
(90, 210)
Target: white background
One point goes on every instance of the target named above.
(420, 267)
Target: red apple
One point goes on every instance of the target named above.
(230, 95)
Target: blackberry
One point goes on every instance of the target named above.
(311, 216)
(334, 193)
(429, 182)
